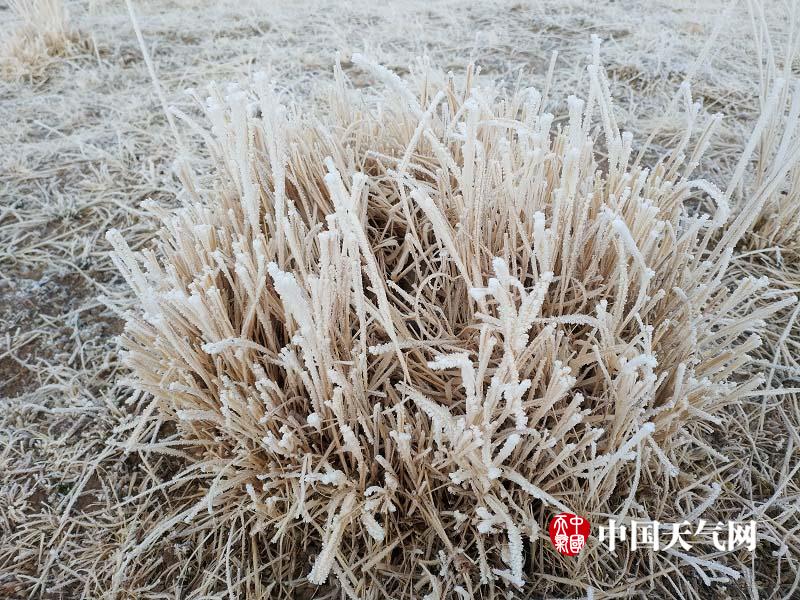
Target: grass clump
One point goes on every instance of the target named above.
(390, 342)
(44, 34)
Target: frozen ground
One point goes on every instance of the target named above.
(84, 141)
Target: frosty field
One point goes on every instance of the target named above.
(350, 299)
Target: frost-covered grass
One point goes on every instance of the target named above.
(42, 35)
(97, 482)
(405, 334)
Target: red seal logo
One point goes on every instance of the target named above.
(568, 533)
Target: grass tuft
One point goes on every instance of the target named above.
(43, 35)
(391, 341)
